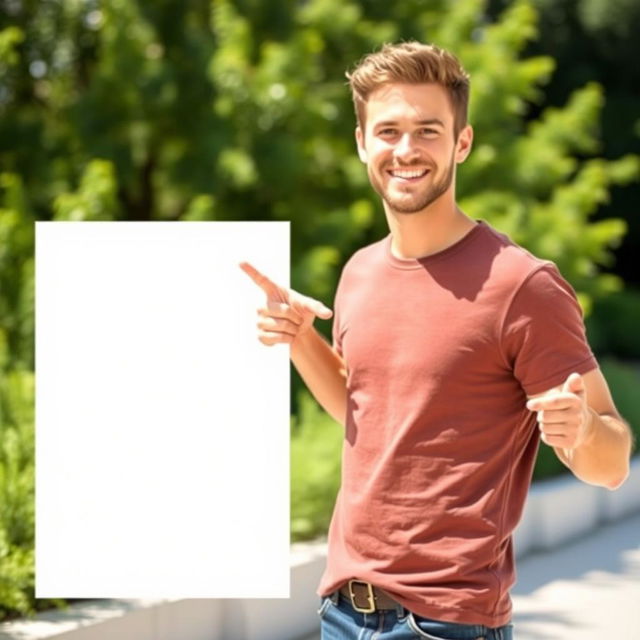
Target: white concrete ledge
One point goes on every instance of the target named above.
(124, 620)
(564, 508)
(625, 500)
(557, 511)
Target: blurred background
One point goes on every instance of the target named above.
(181, 110)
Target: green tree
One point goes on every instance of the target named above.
(594, 41)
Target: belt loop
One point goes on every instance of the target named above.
(335, 596)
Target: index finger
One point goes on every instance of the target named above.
(267, 285)
(552, 401)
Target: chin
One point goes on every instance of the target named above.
(406, 209)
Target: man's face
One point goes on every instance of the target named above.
(408, 145)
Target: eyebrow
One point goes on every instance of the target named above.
(429, 121)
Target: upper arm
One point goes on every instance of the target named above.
(543, 335)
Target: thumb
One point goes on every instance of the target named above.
(316, 307)
(319, 309)
(323, 312)
(574, 384)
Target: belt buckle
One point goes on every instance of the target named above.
(370, 597)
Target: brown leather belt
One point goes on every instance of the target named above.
(366, 598)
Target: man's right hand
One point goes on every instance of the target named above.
(287, 314)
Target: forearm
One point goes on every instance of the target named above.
(603, 459)
(323, 372)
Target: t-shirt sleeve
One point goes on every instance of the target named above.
(543, 333)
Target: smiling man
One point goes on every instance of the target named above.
(454, 352)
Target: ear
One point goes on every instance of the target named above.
(362, 152)
(463, 145)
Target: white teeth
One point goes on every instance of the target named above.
(408, 174)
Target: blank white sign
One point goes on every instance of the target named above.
(162, 424)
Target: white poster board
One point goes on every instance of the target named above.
(162, 423)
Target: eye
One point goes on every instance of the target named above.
(387, 132)
(428, 131)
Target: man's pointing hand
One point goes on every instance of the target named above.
(287, 314)
(564, 416)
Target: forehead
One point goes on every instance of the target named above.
(395, 102)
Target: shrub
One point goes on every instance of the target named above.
(316, 443)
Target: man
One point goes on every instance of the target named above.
(454, 352)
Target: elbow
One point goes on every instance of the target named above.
(616, 482)
(610, 479)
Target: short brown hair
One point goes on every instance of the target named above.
(411, 63)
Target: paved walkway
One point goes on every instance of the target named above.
(587, 590)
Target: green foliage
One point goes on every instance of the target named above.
(316, 443)
(594, 40)
(548, 465)
(96, 197)
(16, 274)
(16, 492)
(610, 20)
(10, 38)
(16, 581)
(17, 508)
(612, 328)
(624, 381)
(532, 180)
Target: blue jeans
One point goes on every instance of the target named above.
(339, 621)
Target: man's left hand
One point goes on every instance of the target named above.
(564, 417)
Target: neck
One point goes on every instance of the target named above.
(426, 232)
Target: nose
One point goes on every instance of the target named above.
(405, 149)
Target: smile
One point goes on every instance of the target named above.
(406, 174)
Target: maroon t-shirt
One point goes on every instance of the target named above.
(439, 447)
